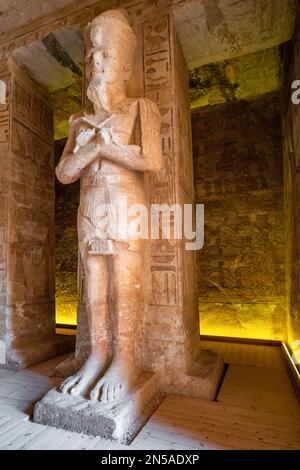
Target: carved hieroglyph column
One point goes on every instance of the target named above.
(171, 327)
(27, 308)
(170, 336)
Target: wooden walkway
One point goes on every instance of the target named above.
(270, 357)
(256, 409)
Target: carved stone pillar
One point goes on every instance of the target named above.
(169, 339)
(171, 336)
(27, 308)
(171, 328)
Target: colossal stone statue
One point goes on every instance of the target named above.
(110, 150)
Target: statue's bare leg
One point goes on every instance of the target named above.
(96, 272)
(126, 278)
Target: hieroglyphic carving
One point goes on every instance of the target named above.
(163, 286)
(28, 144)
(158, 84)
(31, 240)
(157, 73)
(33, 112)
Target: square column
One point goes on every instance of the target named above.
(27, 299)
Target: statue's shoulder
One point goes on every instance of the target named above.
(149, 112)
(76, 116)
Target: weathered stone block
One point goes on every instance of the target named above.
(118, 420)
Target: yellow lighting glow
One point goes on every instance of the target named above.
(251, 321)
(66, 311)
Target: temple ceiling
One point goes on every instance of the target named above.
(242, 78)
(56, 61)
(27, 10)
(216, 30)
(232, 49)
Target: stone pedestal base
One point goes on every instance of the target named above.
(120, 420)
(202, 380)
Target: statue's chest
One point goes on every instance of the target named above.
(116, 129)
(120, 127)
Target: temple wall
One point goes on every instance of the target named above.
(238, 169)
(291, 143)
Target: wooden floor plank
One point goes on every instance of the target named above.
(243, 418)
(247, 354)
(9, 427)
(241, 427)
(17, 440)
(259, 388)
(41, 436)
(208, 431)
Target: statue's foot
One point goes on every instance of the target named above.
(79, 383)
(116, 381)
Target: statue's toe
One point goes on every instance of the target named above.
(94, 395)
(68, 384)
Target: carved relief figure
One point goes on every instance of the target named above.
(110, 150)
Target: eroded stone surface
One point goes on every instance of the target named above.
(217, 30)
(27, 11)
(120, 420)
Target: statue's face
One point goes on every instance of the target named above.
(105, 61)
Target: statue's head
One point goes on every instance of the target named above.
(110, 43)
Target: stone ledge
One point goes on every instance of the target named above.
(120, 420)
